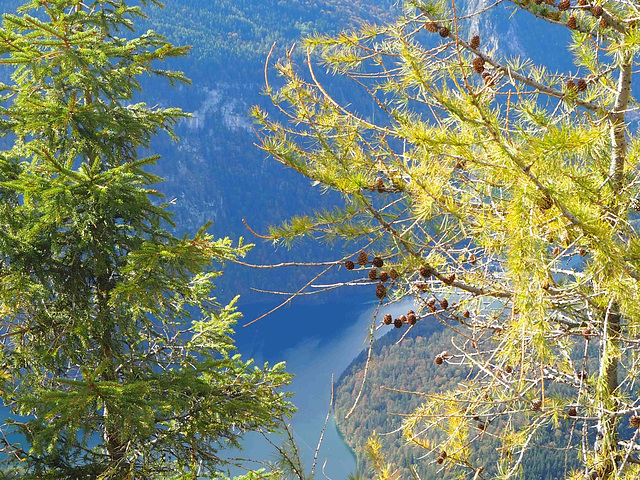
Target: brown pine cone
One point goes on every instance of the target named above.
(349, 265)
(439, 360)
(431, 27)
(475, 41)
(439, 460)
(411, 318)
(571, 85)
(403, 319)
(381, 291)
(508, 369)
(449, 279)
(431, 304)
(377, 262)
(379, 185)
(472, 259)
(373, 274)
(426, 271)
(466, 314)
(393, 273)
(363, 258)
(443, 454)
(444, 303)
(444, 32)
(581, 84)
(397, 323)
(582, 3)
(536, 405)
(488, 79)
(572, 412)
(572, 23)
(597, 11)
(384, 276)
(545, 202)
(478, 65)
(564, 5)
(481, 426)
(387, 320)
(635, 421)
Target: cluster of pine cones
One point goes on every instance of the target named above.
(410, 318)
(374, 275)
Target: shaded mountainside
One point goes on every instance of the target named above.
(399, 366)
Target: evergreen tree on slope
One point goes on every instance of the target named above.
(116, 360)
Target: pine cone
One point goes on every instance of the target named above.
(387, 320)
(472, 259)
(377, 262)
(536, 405)
(545, 202)
(373, 274)
(393, 273)
(444, 303)
(581, 84)
(439, 460)
(363, 258)
(411, 318)
(475, 41)
(571, 85)
(488, 79)
(443, 454)
(431, 27)
(431, 304)
(572, 412)
(572, 23)
(379, 185)
(478, 65)
(466, 314)
(384, 276)
(449, 279)
(426, 271)
(597, 11)
(403, 319)
(444, 32)
(564, 5)
(582, 3)
(439, 360)
(583, 252)
(481, 426)
(635, 421)
(508, 369)
(381, 291)
(397, 323)
(349, 265)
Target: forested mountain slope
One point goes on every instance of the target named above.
(403, 373)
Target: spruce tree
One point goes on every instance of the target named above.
(503, 197)
(117, 362)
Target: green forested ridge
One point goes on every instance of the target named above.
(402, 374)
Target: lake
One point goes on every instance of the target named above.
(316, 341)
